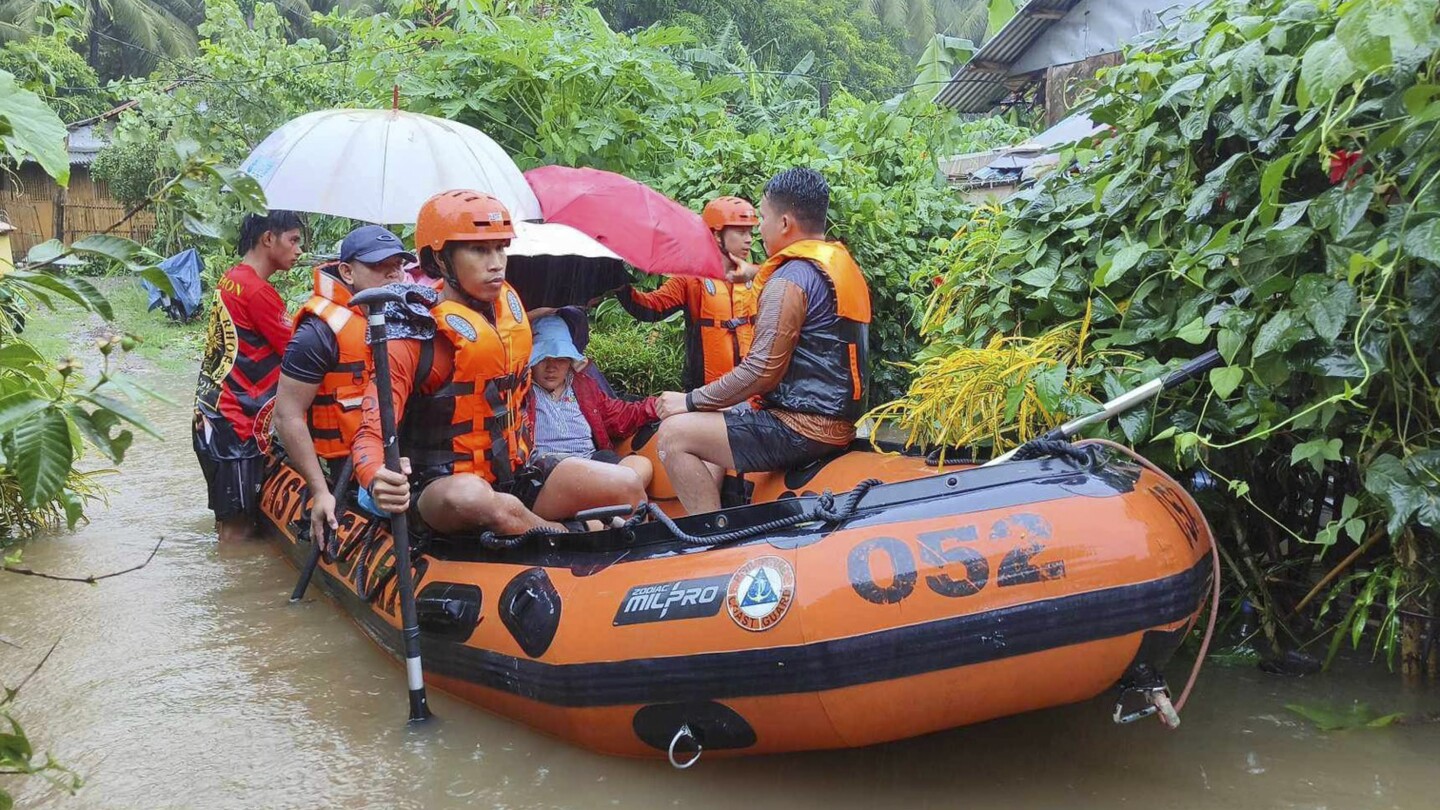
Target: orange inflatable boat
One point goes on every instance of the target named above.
(799, 620)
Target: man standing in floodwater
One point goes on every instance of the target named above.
(245, 341)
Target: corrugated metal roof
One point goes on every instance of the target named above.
(1052, 32)
(85, 142)
(984, 80)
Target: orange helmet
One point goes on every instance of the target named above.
(461, 216)
(723, 212)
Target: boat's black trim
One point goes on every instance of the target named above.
(884, 655)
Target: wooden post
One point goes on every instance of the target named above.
(61, 197)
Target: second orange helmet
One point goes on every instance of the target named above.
(461, 216)
(725, 212)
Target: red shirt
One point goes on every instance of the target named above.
(240, 371)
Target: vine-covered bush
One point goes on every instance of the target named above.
(1268, 186)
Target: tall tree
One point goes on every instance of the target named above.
(121, 37)
(974, 20)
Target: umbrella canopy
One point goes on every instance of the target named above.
(646, 228)
(380, 165)
(554, 265)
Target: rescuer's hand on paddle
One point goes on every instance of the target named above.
(391, 490)
(322, 514)
(670, 403)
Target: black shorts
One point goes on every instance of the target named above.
(525, 485)
(760, 442)
(233, 485)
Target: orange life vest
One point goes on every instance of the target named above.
(829, 371)
(724, 317)
(334, 415)
(719, 322)
(475, 423)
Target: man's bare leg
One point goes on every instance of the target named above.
(642, 468)
(239, 529)
(686, 441)
(578, 484)
(465, 502)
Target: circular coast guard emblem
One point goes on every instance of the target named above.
(760, 593)
(461, 326)
(515, 309)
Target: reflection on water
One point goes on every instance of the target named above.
(193, 683)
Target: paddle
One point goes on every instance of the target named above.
(1127, 400)
(373, 300)
(317, 544)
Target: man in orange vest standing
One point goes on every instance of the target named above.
(327, 364)
(245, 339)
(719, 315)
(464, 435)
(808, 362)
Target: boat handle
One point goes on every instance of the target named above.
(682, 734)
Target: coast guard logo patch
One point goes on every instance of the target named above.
(760, 593)
(461, 326)
(515, 308)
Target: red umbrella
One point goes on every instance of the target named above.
(641, 225)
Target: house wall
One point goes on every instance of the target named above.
(29, 197)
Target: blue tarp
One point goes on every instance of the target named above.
(183, 269)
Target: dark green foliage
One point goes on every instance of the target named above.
(1271, 187)
(51, 68)
(851, 46)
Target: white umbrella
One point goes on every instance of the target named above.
(380, 165)
(554, 239)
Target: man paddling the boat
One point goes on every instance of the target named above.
(462, 393)
(808, 362)
(327, 364)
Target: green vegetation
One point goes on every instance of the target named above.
(49, 67)
(1271, 186)
(637, 358)
(566, 89)
(838, 40)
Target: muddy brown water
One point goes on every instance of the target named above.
(194, 683)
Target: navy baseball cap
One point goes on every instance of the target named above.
(371, 244)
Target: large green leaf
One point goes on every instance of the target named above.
(1272, 333)
(113, 248)
(1226, 380)
(1423, 240)
(43, 455)
(46, 252)
(1365, 47)
(122, 410)
(18, 407)
(1324, 69)
(33, 130)
(78, 290)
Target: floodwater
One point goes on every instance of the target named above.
(194, 683)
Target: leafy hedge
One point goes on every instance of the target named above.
(1268, 186)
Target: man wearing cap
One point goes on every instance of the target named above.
(327, 364)
(719, 314)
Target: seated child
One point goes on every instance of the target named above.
(571, 415)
